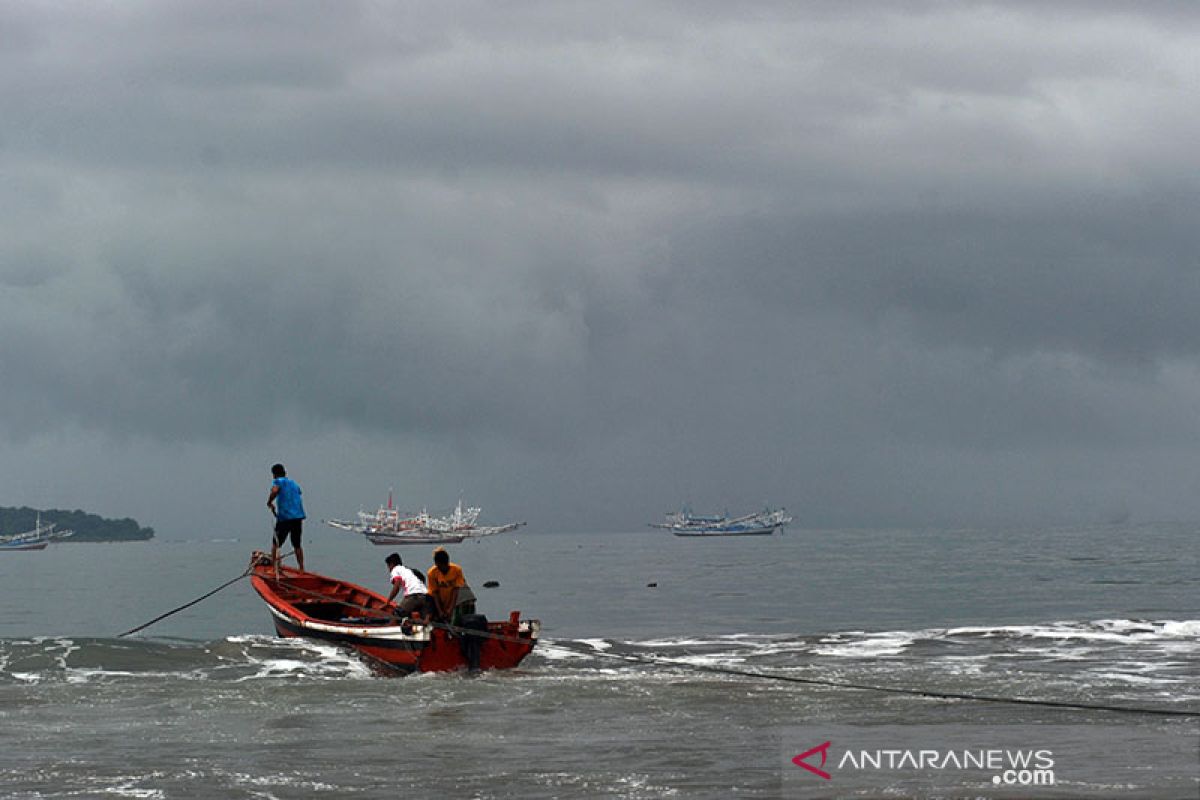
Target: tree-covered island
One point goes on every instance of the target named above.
(87, 527)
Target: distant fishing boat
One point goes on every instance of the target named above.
(18, 543)
(412, 537)
(761, 523)
(312, 606)
(389, 526)
(36, 539)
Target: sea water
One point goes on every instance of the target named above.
(661, 673)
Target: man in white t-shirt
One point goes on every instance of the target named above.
(409, 585)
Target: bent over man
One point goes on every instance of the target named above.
(409, 582)
(448, 589)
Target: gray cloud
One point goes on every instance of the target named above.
(885, 263)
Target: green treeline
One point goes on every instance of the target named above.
(87, 527)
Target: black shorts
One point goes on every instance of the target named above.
(288, 527)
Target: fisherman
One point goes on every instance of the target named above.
(448, 588)
(289, 516)
(410, 583)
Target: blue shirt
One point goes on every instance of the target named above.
(288, 504)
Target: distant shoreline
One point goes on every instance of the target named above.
(87, 527)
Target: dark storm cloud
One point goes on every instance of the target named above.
(1111, 279)
(885, 261)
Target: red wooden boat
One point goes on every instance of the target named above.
(313, 606)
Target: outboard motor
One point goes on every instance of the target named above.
(472, 643)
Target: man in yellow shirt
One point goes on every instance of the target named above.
(447, 586)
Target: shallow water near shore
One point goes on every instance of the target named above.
(624, 697)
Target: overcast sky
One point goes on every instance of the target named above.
(886, 264)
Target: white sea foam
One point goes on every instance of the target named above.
(1052, 631)
(286, 781)
(87, 674)
(1146, 650)
(129, 789)
(322, 661)
(865, 645)
(1104, 630)
(254, 638)
(690, 642)
(704, 659)
(1128, 678)
(554, 652)
(1187, 628)
(724, 639)
(596, 644)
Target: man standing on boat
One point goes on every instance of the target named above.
(448, 588)
(410, 583)
(289, 516)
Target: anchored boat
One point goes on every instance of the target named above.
(312, 606)
(761, 523)
(388, 526)
(17, 543)
(412, 537)
(36, 539)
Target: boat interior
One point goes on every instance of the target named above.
(330, 601)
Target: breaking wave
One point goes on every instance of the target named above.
(1110, 659)
(1113, 658)
(234, 659)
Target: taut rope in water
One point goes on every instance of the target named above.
(930, 693)
(161, 617)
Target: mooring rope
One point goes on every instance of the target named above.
(930, 693)
(205, 596)
(182, 607)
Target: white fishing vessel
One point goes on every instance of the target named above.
(388, 525)
(760, 523)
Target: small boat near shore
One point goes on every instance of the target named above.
(313, 606)
(761, 523)
(36, 539)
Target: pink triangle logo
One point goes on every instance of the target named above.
(800, 762)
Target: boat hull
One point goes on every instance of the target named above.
(384, 539)
(759, 523)
(764, 531)
(311, 606)
(38, 545)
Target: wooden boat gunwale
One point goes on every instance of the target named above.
(402, 646)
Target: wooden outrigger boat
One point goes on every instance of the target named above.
(312, 606)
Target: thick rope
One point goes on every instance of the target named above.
(182, 607)
(225, 585)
